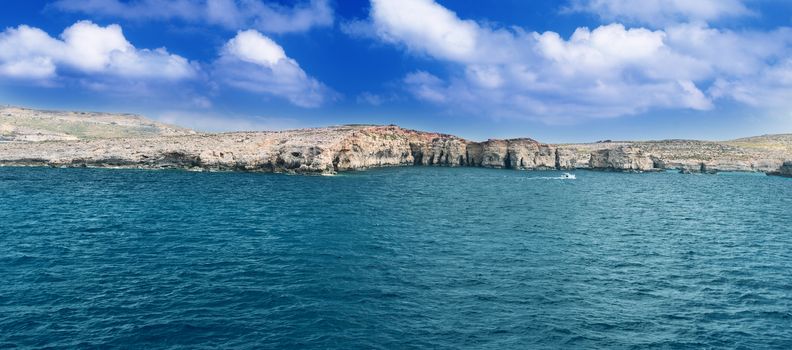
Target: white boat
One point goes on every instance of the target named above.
(568, 176)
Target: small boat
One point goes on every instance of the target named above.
(568, 176)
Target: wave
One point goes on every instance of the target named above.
(549, 178)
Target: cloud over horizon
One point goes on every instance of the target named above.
(608, 71)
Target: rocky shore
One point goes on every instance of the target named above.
(785, 170)
(335, 149)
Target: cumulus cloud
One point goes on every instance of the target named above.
(232, 14)
(427, 28)
(253, 62)
(661, 12)
(85, 48)
(608, 71)
(444, 36)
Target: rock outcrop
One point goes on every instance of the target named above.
(785, 170)
(344, 148)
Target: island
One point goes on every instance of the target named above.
(30, 137)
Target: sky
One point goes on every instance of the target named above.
(553, 70)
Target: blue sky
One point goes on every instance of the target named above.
(557, 71)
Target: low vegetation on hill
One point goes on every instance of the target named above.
(22, 124)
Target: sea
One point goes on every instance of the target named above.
(394, 258)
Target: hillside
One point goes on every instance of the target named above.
(23, 124)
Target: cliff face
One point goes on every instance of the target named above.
(522, 154)
(343, 148)
(622, 158)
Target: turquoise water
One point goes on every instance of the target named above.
(395, 258)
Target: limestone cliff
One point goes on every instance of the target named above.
(343, 148)
(621, 158)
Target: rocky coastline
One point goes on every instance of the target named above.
(336, 149)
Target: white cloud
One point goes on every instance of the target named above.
(86, 49)
(426, 86)
(608, 71)
(661, 12)
(749, 67)
(223, 12)
(250, 46)
(37, 68)
(444, 36)
(253, 62)
(607, 47)
(232, 14)
(302, 17)
(427, 28)
(771, 87)
(741, 53)
(27, 52)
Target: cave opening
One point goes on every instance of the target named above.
(418, 158)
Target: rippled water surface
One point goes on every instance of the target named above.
(394, 258)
